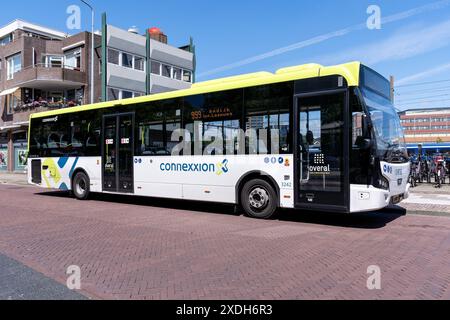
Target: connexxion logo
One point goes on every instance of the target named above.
(219, 169)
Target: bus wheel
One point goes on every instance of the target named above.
(259, 199)
(81, 186)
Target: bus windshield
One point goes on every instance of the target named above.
(387, 129)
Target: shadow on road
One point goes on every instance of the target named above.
(370, 220)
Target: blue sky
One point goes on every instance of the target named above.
(235, 37)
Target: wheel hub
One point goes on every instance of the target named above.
(81, 187)
(259, 198)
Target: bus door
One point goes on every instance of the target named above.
(322, 148)
(118, 152)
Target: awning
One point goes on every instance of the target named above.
(9, 91)
(9, 128)
(15, 125)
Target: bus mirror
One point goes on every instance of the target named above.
(364, 143)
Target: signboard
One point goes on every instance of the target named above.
(3, 159)
(20, 159)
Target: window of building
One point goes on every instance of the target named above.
(166, 71)
(172, 72)
(127, 60)
(113, 94)
(14, 65)
(187, 76)
(113, 56)
(176, 73)
(54, 61)
(139, 63)
(156, 67)
(119, 94)
(127, 94)
(7, 39)
(72, 59)
(11, 103)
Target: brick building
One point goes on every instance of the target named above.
(40, 69)
(43, 69)
(426, 125)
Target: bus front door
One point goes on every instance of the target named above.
(118, 152)
(321, 149)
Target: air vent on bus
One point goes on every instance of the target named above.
(36, 174)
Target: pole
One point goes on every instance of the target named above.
(392, 80)
(92, 58)
(104, 57)
(92, 49)
(148, 85)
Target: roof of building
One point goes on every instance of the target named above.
(19, 24)
(350, 71)
(424, 110)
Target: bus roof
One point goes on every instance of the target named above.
(350, 71)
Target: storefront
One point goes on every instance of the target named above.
(4, 155)
(20, 151)
(13, 150)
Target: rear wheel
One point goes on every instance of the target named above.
(259, 199)
(81, 186)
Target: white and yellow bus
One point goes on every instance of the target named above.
(307, 137)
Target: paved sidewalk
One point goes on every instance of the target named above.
(428, 200)
(19, 282)
(13, 178)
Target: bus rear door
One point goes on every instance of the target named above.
(118, 153)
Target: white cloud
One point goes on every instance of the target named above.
(405, 44)
(319, 39)
(423, 75)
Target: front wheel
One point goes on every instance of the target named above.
(259, 199)
(81, 186)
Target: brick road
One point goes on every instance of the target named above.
(153, 249)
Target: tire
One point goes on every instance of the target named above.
(81, 186)
(259, 199)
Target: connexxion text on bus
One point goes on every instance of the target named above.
(307, 137)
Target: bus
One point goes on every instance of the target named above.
(307, 137)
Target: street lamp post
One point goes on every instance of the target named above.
(92, 49)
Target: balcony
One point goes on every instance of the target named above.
(46, 77)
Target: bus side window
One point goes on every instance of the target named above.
(268, 111)
(359, 156)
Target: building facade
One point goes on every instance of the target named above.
(427, 127)
(43, 69)
(40, 69)
(143, 64)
